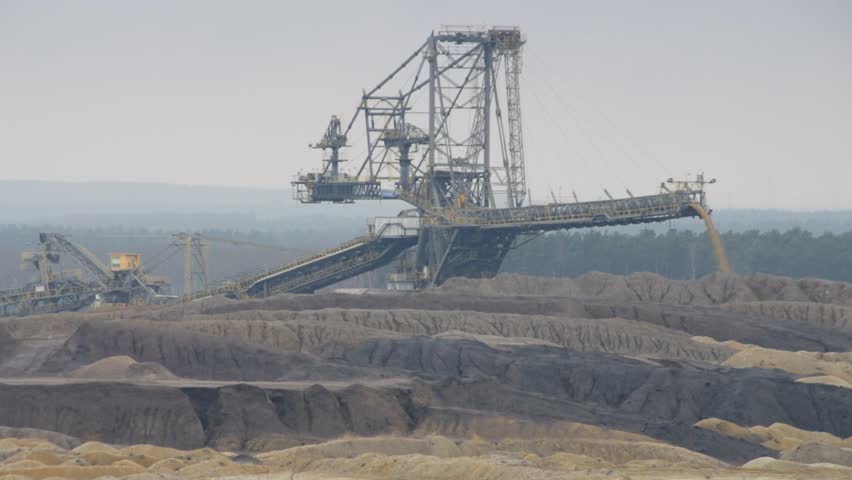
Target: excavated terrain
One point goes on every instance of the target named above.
(599, 376)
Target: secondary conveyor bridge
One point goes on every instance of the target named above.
(476, 240)
(306, 275)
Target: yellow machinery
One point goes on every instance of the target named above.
(123, 262)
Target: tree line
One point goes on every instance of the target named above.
(684, 254)
(679, 254)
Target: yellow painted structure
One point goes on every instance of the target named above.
(122, 262)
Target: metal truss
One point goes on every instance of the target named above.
(428, 127)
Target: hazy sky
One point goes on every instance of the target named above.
(616, 93)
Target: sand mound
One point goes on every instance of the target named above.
(563, 460)
(493, 340)
(616, 452)
(151, 453)
(45, 457)
(772, 464)
(419, 466)
(95, 447)
(74, 472)
(732, 344)
(21, 464)
(733, 430)
(778, 436)
(811, 452)
(110, 367)
(167, 465)
(830, 368)
(298, 457)
(837, 365)
(55, 439)
(221, 467)
(789, 431)
(603, 451)
(826, 380)
(28, 443)
(122, 367)
(495, 428)
(203, 454)
(153, 476)
(568, 457)
(101, 457)
(205, 305)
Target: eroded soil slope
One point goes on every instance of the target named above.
(636, 376)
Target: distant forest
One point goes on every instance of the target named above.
(679, 254)
(111, 217)
(684, 254)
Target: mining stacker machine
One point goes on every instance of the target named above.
(466, 185)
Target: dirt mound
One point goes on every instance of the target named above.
(438, 457)
(648, 287)
(311, 330)
(813, 470)
(46, 327)
(661, 398)
(837, 365)
(187, 354)
(206, 305)
(826, 380)
(44, 457)
(94, 447)
(332, 330)
(74, 471)
(432, 457)
(153, 452)
(293, 331)
(637, 287)
(720, 324)
(476, 376)
(63, 441)
(810, 452)
(833, 368)
(243, 417)
(123, 368)
(493, 340)
(496, 428)
(112, 412)
(778, 436)
(420, 300)
(820, 314)
(515, 377)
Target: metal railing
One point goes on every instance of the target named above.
(239, 287)
(326, 272)
(9, 297)
(604, 211)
